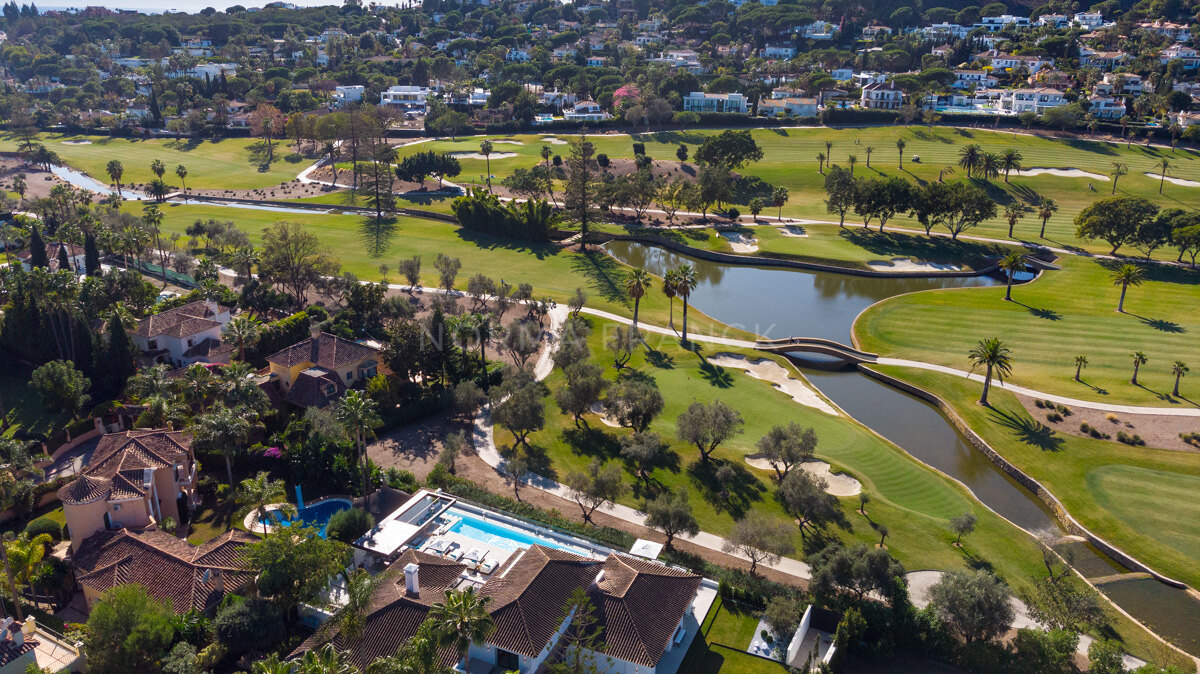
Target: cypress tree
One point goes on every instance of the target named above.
(37, 249)
(84, 356)
(154, 111)
(64, 260)
(91, 255)
(119, 365)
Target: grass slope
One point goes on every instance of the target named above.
(1050, 321)
(790, 160)
(230, 163)
(1139, 499)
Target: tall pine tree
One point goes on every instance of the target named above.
(119, 365)
(64, 260)
(37, 249)
(91, 255)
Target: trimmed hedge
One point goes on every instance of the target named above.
(44, 525)
(440, 478)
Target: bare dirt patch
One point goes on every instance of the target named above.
(37, 182)
(1157, 430)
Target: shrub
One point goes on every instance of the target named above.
(1190, 438)
(602, 160)
(1064, 410)
(254, 624)
(223, 492)
(1130, 439)
(210, 656)
(401, 479)
(1112, 418)
(1040, 404)
(347, 525)
(733, 213)
(44, 525)
(206, 485)
(639, 148)
(1054, 417)
(557, 160)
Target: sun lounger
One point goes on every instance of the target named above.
(455, 554)
(487, 566)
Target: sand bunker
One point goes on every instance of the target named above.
(837, 484)
(1061, 173)
(77, 142)
(476, 155)
(1176, 181)
(768, 370)
(507, 142)
(554, 141)
(741, 243)
(598, 410)
(793, 230)
(905, 264)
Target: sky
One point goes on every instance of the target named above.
(190, 6)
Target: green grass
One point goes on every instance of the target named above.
(362, 247)
(721, 644)
(1142, 500)
(24, 411)
(231, 163)
(1049, 322)
(347, 198)
(790, 161)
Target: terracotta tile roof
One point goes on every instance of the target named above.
(529, 595)
(210, 348)
(324, 350)
(188, 319)
(639, 604)
(312, 388)
(10, 651)
(169, 568)
(395, 615)
(116, 469)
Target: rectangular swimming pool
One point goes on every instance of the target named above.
(500, 535)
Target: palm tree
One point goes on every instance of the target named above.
(1179, 369)
(182, 172)
(272, 665)
(1139, 359)
(152, 216)
(779, 197)
(829, 151)
(223, 429)
(22, 559)
(325, 660)
(485, 149)
(900, 148)
(356, 412)
(243, 260)
(869, 150)
(196, 384)
(636, 284)
(945, 171)
(685, 284)
(1164, 166)
(989, 165)
(1081, 362)
(1126, 275)
(115, 171)
(993, 355)
(330, 150)
(968, 158)
(1119, 169)
(260, 491)
(546, 153)
(351, 618)
(462, 619)
(670, 281)
(1010, 159)
(1011, 264)
(417, 655)
(239, 330)
(1046, 208)
(158, 167)
(1013, 213)
(852, 160)
(821, 163)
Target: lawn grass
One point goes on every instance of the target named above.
(23, 408)
(719, 648)
(439, 204)
(230, 163)
(790, 161)
(1051, 320)
(1140, 499)
(362, 246)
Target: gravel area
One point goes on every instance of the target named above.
(1158, 430)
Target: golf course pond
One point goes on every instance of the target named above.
(776, 303)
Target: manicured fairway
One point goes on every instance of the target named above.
(231, 163)
(1050, 321)
(790, 161)
(362, 247)
(1140, 499)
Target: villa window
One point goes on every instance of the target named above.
(507, 661)
(349, 376)
(152, 344)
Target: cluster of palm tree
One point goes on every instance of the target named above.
(679, 282)
(157, 186)
(975, 160)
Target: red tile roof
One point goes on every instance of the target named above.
(324, 350)
(183, 321)
(117, 467)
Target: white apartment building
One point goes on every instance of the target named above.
(699, 101)
(407, 97)
(344, 95)
(1036, 100)
(882, 96)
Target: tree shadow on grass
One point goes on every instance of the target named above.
(736, 496)
(182, 144)
(377, 235)
(1041, 312)
(934, 249)
(593, 442)
(604, 274)
(1161, 324)
(660, 359)
(715, 375)
(262, 155)
(1028, 430)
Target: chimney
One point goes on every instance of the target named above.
(15, 633)
(412, 584)
(220, 582)
(212, 307)
(599, 579)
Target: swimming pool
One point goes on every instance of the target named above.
(499, 535)
(313, 515)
